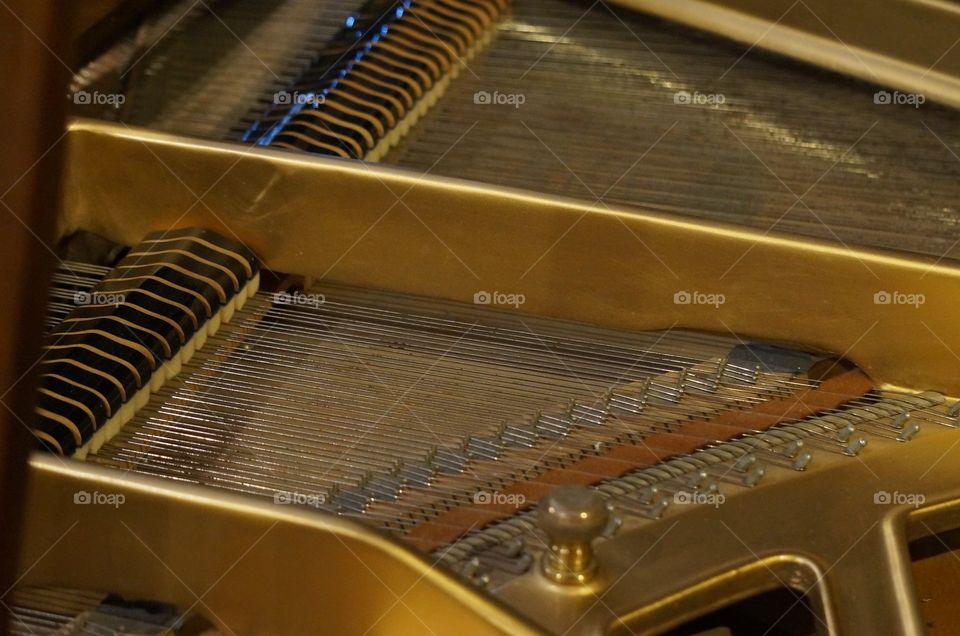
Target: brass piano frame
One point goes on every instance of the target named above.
(367, 225)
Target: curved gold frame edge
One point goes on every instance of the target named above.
(379, 227)
(821, 533)
(250, 566)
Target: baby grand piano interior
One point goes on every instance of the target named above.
(573, 318)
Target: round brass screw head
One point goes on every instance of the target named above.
(572, 517)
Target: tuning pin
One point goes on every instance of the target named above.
(471, 568)
(614, 526)
(753, 476)
(900, 420)
(908, 432)
(656, 509)
(793, 448)
(744, 463)
(648, 495)
(853, 448)
(697, 478)
(515, 547)
(846, 432)
(801, 461)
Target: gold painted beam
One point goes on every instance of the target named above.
(253, 567)
(370, 225)
(249, 566)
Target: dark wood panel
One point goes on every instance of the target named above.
(34, 66)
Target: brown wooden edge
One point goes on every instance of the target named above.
(32, 107)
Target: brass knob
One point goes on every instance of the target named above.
(572, 517)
